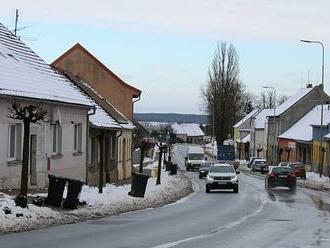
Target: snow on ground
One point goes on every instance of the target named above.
(114, 200)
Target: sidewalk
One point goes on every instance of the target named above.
(114, 200)
(312, 181)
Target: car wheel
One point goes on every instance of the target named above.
(236, 190)
(207, 189)
(304, 177)
(200, 177)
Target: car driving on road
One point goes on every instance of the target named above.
(204, 169)
(249, 163)
(259, 165)
(281, 176)
(222, 176)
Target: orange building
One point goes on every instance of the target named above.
(78, 61)
(82, 64)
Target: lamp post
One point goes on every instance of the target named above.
(322, 103)
(274, 115)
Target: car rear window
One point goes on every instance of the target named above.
(279, 170)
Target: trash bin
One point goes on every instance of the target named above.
(139, 184)
(72, 198)
(168, 166)
(174, 169)
(55, 190)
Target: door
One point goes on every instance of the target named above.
(33, 160)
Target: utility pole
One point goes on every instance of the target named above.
(321, 157)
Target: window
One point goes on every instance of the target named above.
(57, 138)
(77, 147)
(14, 142)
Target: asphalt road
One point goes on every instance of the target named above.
(252, 218)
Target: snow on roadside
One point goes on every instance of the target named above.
(114, 200)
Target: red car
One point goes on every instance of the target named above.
(299, 169)
(281, 176)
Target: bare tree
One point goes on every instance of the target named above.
(28, 114)
(267, 99)
(223, 95)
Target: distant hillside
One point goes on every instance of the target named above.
(171, 117)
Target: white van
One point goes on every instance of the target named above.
(195, 157)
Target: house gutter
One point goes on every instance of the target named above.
(87, 140)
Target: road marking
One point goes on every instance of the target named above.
(218, 230)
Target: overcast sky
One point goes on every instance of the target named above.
(165, 47)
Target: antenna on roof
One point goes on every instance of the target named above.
(16, 28)
(16, 22)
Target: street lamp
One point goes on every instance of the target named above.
(274, 115)
(322, 101)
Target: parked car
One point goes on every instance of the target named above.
(299, 169)
(204, 169)
(281, 176)
(260, 165)
(249, 163)
(222, 176)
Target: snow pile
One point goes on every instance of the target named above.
(114, 200)
(29, 218)
(314, 181)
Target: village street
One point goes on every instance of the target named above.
(252, 218)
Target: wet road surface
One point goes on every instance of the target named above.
(252, 218)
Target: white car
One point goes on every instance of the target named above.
(222, 176)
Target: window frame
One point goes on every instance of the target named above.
(77, 138)
(57, 137)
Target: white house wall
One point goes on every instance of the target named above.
(68, 165)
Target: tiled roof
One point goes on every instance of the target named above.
(248, 116)
(24, 74)
(302, 130)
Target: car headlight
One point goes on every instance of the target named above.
(202, 171)
(233, 177)
(209, 177)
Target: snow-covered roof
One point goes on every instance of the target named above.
(101, 119)
(189, 129)
(292, 100)
(302, 130)
(24, 74)
(260, 118)
(246, 139)
(248, 116)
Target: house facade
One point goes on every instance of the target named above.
(287, 114)
(242, 136)
(258, 130)
(57, 146)
(189, 132)
(115, 96)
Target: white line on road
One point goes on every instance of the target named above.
(218, 230)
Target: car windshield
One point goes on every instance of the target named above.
(222, 169)
(196, 156)
(279, 170)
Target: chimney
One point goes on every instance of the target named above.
(309, 86)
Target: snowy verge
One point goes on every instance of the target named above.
(113, 201)
(312, 181)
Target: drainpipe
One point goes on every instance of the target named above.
(117, 150)
(87, 141)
